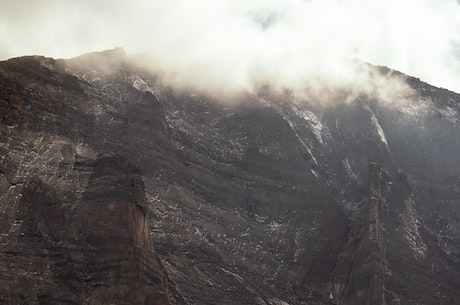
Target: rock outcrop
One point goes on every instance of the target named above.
(117, 189)
(74, 222)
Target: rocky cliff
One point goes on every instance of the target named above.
(118, 189)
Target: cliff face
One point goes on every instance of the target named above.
(92, 247)
(116, 189)
(73, 217)
(385, 239)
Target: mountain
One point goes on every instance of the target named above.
(116, 188)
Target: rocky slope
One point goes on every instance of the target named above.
(117, 189)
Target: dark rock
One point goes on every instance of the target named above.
(115, 189)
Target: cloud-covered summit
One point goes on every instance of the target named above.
(232, 43)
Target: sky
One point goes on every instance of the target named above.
(232, 43)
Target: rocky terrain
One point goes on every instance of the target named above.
(116, 188)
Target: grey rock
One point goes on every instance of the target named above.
(117, 189)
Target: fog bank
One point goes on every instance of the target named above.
(228, 45)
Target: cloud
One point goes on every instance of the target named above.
(230, 44)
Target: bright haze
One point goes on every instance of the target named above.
(228, 44)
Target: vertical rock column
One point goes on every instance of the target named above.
(120, 263)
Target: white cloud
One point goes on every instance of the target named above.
(228, 43)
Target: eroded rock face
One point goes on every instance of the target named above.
(116, 189)
(92, 249)
(74, 226)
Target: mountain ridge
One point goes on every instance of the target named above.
(262, 201)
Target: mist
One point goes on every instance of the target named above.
(313, 46)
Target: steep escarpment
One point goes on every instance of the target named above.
(387, 228)
(74, 224)
(116, 189)
(93, 248)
